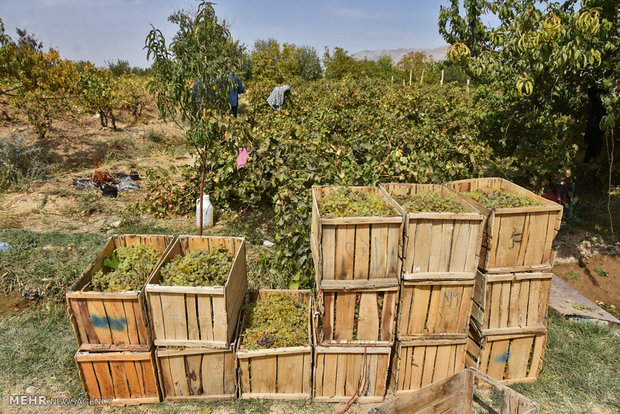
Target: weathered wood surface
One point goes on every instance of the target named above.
(198, 316)
(514, 239)
(355, 248)
(125, 378)
(112, 321)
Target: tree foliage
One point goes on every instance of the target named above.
(535, 67)
(281, 64)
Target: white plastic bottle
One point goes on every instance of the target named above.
(207, 212)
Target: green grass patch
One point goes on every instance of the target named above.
(46, 263)
(580, 369)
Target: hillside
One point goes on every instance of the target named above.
(437, 54)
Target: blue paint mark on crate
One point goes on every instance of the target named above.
(503, 357)
(109, 323)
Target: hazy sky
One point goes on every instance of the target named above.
(106, 30)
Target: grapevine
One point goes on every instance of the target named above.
(345, 202)
(501, 199)
(429, 201)
(127, 268)
(275, 321)
(199, 268)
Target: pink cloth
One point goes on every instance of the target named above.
(242, 159)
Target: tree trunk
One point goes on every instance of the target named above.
(202, 185)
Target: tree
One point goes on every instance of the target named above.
(283, 64)
(536, 67)
(309, 63)
(339, 63)
(37, 83)
(265, 60)
(190, 80)
(414, 63)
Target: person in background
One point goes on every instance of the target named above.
(236, 89)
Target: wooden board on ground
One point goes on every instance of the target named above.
(454, 394)
(341, 373)
(360, 249)
(514, 239)
(197, 374)
(123, 378)
(198, 316)
(277, 373)
(438, 244)
(112, 321)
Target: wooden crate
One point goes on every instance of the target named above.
(510, 358)
(197, 374)
(362, 250)
(340, 371)
(455, 394)
(124, 378)
(277, 373)
(198, 316)
(422, 362)
(434, 308)
(357, 316)
(111, 321)
(438, 244)
(511, 302)
(514, 239)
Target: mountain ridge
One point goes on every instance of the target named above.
(436, 54)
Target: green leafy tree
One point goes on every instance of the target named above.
(100, 93)
(309, 63)
(265, 61)
(339, 64)
(414, 62)
(535, 67)
(191, 83)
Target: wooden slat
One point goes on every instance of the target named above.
(118, 321)
(362, 251)
(433, 309)
(263, 374)
(290, 378)
(417, 315)
(345, 314)
(442, 364)
(192, 319)
(429, 365)
(519, 355)
(213, 374)
(205, 317)
(341, 373)
(345, 252)
(422, 246)
(135, 386)
(378, 245)
(368, 323)
(328, 300)
(533, 303)
(90, 379)
(173, 311)
(328, 249)
(99, 320)
(220, 328)
(497, 359)
(193, 367)
(104, 378)
(178, 375)
(353, 380)
(244, 376)
(388, 316)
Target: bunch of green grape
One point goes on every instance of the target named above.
(345, 202)
(430, 202)
(127, 268)
(275, 321)
(501, 199)
(199, 268)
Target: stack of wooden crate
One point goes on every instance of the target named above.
(194, 327)
(358, 264)
(508, 329)
(115, 357)
(440, 255)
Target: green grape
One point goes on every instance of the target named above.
(429, 201)
(199, 268)
(345, 202)
(275, 321)
(135, 264)
(501, 199)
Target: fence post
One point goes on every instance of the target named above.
(422, 77)
(441, 81)
(467, 85)
(410, 74)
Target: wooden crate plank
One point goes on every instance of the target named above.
(378, 253)
(104, 379)
(193, 367)
(362, 251)
(442, 364)
(519, 356)
(514, 311)
(319, 368)
(538, 352)
(417, 369)
(290, 378)
(118, 321)
(497, 359)
(434, 264)
(192, 317)
(173, 310)
(166, 376)
(383, 362)
(230, 373)
(524, 295)
(263, 374)
(90, 379)
(496, 303)
(81, 322)
(409, 254)
(345, 316)
(433, 309)
(504, 307)
(341, 373)
(244, 375)
(157, 315)
(328, 300)
(429, 365)
(422, 246)
(390, 300)
(119, 379)
(538, 230)
(135, 386)
(404, 312)
(419, 310)
(368, 322)
(449, 309)
(392, 252)
(213, 373)
(328, 251)
(307, 374)
(403, 367)
(179, 375)
(459, 246)
(353, 380)
(150, 377)
(99, 320)
(345, 252)
(220, 328)
(447, 234)
(465, 310)
(533, 303)
(205, 317)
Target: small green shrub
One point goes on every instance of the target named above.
(20, 163)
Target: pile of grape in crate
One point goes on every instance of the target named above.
(501, 199)
(275, 321)
(428, 202)
(126, 268)
(198, 268)
(345, 202)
